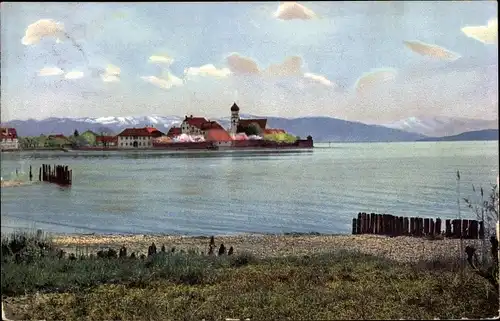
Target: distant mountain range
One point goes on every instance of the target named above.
(320, 128)
(487, 134)
(442, 126)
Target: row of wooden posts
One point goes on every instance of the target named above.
(57, 174)
(386, 224)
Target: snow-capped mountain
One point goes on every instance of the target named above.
(441, 126)
(320, 128)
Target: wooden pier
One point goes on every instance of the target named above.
(57, 174)
(390, 225)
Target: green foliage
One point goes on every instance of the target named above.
(281, 137)
(175, 286)
(252, 129)
(89, 138)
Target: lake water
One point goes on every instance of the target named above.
(204, 193)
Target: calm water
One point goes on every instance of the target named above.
(233, 192)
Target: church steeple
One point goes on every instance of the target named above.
(235, 119)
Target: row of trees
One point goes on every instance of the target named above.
(254, 129)
(87, 138)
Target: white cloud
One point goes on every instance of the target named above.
(374, 78)
(50, 71)
(161, 59)
(41, 29)
(110, 78)
(486, 34)
(169, 82)
(293, 10)
(242, 65)
(290, 67)
(318, 79)
(74, 75)
(430, 50)
(111, 74)
(207, 70)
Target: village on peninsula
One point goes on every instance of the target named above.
(192, 133)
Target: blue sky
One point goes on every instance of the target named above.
(333, 48)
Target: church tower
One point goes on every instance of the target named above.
(235, 119)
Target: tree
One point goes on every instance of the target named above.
(76, 133)
(253, 129)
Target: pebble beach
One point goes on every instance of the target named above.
(401, 249)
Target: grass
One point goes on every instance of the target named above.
(189, 286)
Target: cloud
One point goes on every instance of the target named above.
(161, 59)
(290, 67)
(50, 71)
(74, 75)
(242, 65)
(374, 78)
(111, 74)
(434, 51)
(110, 78)
(41, 29)
(169, 82)
(318, 79)
(486, 34)
(293, 10)
(207, 70)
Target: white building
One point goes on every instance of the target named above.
(138, 137)
(9, 139)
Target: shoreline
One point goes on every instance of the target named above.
(402, 249)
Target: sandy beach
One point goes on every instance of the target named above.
(403, 249)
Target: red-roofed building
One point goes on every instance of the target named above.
(9, 139)
(198, 125)
(106, 141)
(138, 137)
(218, 136)
(174, 132)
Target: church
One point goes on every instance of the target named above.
(200, 126)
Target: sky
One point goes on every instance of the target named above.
(374, 62)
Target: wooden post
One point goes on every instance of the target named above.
(412, 226)
(70, 176)
(372, 223)
(31, 174)
(406, 226)
(465, 228)
(473, 229)
(437, 227)
(481, 230)
(420, 226)
(426, 226)
(354, 226)
(358, 228)
(40, 174)
(431, 227)
(448, 232)
(364, 225)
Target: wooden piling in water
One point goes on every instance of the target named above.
(354, 226)
(431, 227)
(358, 222)
(426, 226)
(406, 226)
(448, 232)
(437, 227)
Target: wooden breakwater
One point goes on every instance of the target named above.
(390, 225)
(58, 174)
